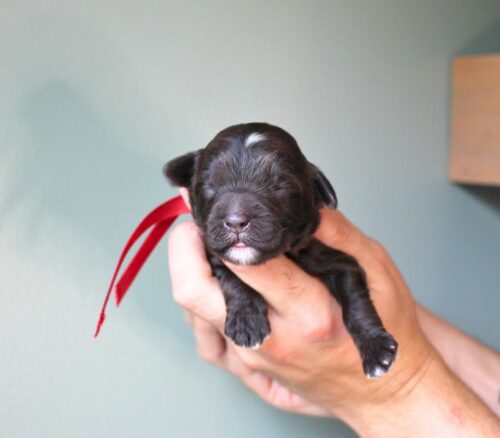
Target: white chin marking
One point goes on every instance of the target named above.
(253, 138)
(242, 256)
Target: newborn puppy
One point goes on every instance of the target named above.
(255, 196)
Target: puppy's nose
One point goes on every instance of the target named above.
(236, 222)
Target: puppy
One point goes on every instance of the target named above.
(255, 196)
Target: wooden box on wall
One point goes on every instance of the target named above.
(475, 120)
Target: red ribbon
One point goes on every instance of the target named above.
(160, 219)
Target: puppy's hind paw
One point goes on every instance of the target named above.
(378, 354)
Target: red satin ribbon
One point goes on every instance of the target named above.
(160, 219)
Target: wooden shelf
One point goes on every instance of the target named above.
(475, 120)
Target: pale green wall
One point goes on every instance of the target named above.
(96, 95)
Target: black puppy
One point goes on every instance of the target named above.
(254, 196)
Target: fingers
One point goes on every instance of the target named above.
(193, 285)
(279, 396)
(387, 287)
(213, 348)
(291, 292)
(185, 196)
(189, 318)
(336, 231)
(210, 345)
(201, 296)
(265, 386)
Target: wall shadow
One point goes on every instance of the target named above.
(489, 195)
(487, 41)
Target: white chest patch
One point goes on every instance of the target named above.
(253, 138)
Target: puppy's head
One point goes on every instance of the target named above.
(252, 192)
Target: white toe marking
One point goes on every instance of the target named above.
(253, 138)
(257, 346)
(377, 372)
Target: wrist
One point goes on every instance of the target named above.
(419, 401)
(387, 403)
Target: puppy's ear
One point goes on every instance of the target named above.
(180, 170)
(324, 189)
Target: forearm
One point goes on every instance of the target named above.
(474, 363)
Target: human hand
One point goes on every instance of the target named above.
(305, 319)
(309, 364)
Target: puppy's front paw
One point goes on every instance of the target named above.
(247, 326)
(378, 353)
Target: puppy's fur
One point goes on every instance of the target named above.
(255, 196)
